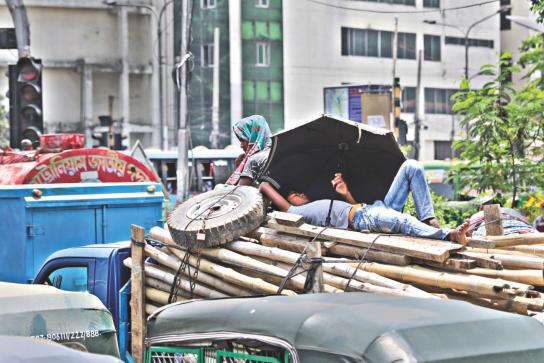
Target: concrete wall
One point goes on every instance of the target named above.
(69, 35)
(313, 58)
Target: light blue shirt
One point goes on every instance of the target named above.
(316, 212)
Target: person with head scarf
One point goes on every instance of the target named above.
(254, 135)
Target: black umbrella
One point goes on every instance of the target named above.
(306, 158)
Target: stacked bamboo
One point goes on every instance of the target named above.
(504, 277)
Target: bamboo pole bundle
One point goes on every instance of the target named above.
(537, 250)
(174, 263)
(512, 261)
(228, 274)
(274, 253)
(497, 304)
(159, 297)
(355, 285)
(150, 308)
(504, 250)
(240, 260)
(156, 273)
(530, 277)
(272, 238)
(371, 255)
(485, 287)
(163, 286)
(517, 239)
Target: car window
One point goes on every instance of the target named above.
(71, 278)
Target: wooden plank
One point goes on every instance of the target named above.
(482, 260)
(287, 219)
(426, 249)
(137, 296)
(492, 219)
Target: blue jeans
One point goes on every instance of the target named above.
(387, 217)
(410, 178)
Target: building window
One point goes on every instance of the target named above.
(438, 100)
(431, 45)
(207, 4)
(207, 55)
(406, 46)
(408, 104)
(442, 150)
(431, 3)
(506, 24)
(263, 54)
(262, 3)
(376, 43)
(472, 42)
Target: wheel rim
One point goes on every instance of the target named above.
(214, 207)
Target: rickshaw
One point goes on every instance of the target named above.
(75, 319)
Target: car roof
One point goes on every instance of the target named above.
(93, 250)
(349, 324)
(22, 298)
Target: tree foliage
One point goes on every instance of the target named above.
(537, 6)
(504, 145)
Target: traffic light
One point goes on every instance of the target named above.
(25, 101)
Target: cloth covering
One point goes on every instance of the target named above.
(255, 130)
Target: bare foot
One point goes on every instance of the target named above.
(459, 234)
(433, 222)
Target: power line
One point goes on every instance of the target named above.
(402, 12)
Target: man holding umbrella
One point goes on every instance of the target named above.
(381, 216)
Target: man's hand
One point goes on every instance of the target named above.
(339, 184)
(341, 188)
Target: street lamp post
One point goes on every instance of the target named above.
(467, 32)
(158, 17)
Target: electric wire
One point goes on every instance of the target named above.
(402, 12)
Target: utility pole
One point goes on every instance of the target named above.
(214, 135)
(395, 45)
(183, 139)
(22, 29)
(417, 115)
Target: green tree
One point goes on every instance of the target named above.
(537, 6)
(504, 146)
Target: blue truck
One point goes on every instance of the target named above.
(38, 220)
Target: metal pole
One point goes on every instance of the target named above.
(395, 45)
(417, 116)
(163, 125)
(22, 29)
(466, 55)
(214, 135)
(182, 165)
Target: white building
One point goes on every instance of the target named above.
(91, 53)
(327, 43)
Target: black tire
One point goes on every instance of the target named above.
(222, 215)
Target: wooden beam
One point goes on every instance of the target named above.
(137, 296)
(426, 249)
(492, 218)
(287, 219)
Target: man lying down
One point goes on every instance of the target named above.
(381, 216)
